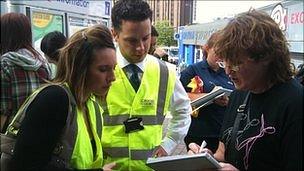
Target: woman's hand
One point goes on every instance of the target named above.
(222, 101)
(109, 166)
(195, 149)
(227, 167)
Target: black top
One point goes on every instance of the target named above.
(271, 139)
(41, 129)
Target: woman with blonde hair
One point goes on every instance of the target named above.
(62, 125)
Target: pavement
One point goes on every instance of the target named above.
(181, 148)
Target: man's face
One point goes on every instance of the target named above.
(134, 39)
(153, 44)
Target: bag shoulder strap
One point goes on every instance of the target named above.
(240, 112)
(14, 125)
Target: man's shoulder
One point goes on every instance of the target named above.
(170, 65)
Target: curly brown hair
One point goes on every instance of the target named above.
(258, 36)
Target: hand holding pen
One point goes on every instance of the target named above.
(195, 148)
(203, 145)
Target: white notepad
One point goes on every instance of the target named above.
(208, 98)
(183, 162)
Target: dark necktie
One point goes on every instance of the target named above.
(134, 79)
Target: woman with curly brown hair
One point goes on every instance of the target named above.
(262, 129)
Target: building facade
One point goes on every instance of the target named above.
(177, 12)
(60, 15)
(288, 14)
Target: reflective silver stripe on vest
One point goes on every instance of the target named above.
(141, 154)
(68, 138)
(162, 89)
(117, 119)
(123, 152)
(116, 152)
(98, 119)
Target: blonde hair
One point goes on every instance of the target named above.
(76, 57)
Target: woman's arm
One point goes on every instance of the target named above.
(41, 129)
(219, 155)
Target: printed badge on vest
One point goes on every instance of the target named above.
(147, 102)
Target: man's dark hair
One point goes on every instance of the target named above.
(154, 32)
(130, 10)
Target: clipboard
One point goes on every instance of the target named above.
(208, 98)
(183, 162)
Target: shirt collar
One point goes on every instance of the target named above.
(122, 62)
(204, 64)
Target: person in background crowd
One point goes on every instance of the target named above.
(85, 73)
(161, 54)
(154, 35)
(300, 74)
(262, 129)
(157, 52)
(182, 66)
(22, 68)
(50, 45)
(145, 90)
(206, 124)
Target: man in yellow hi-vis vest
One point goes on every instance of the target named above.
(145, 89)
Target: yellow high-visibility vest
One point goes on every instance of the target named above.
(151, 103)
(73, 150)
(83, 156)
